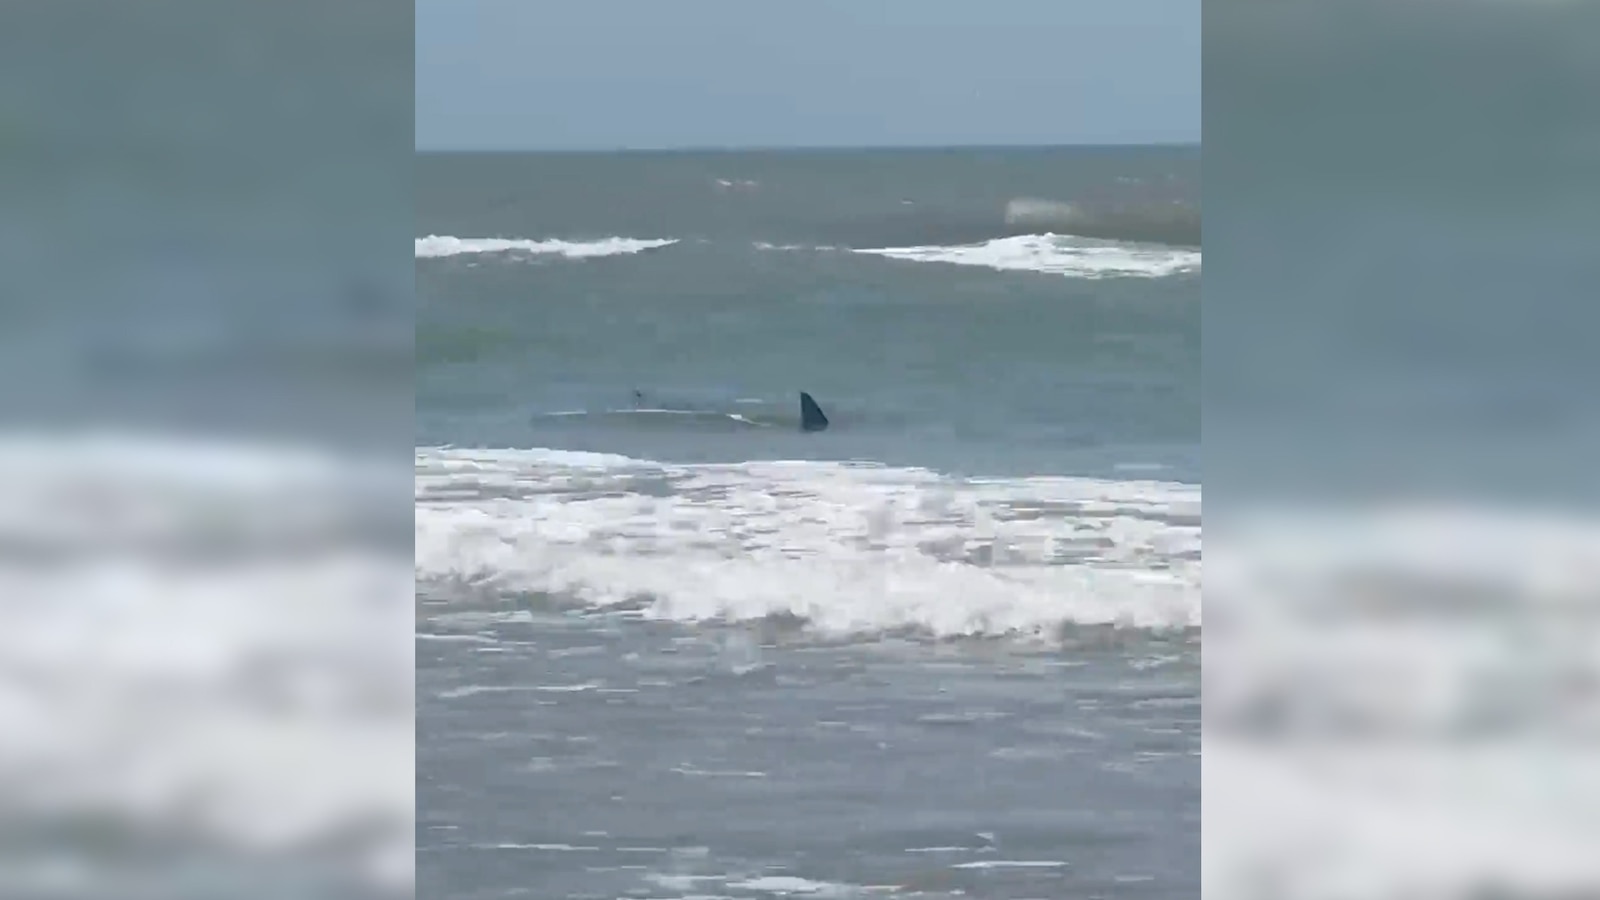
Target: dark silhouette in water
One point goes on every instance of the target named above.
(811, 417)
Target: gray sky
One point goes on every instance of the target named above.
(603, 74)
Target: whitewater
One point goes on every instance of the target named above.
(675, 647)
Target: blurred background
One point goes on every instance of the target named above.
(205, 356)
(205, 411)
(1402, 674)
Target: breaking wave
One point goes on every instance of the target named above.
(1164, 221)
(186, 625)
(846, 549)
(1174, 224)
(434, 246)
(1056, 255)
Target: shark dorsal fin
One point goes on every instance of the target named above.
(811, 416)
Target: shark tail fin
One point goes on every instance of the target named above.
(811, 416)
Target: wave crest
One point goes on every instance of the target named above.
(435, 246)
(1056, 255)
(1171, 223)
(847, 549)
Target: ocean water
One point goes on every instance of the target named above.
(1400, 432)
(670, 646)
(205, 652)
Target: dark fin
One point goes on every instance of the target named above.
(811, 417)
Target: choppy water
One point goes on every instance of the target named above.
(670, 645)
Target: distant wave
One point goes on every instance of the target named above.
(1162, 220)
(1056, 255)
(1175, 224)
(434, 246)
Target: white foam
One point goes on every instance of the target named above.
(764, 245)
(1012, 864)
(790, 884)
(434, 246)
(850, 548)
(1402, 702)
(553, 848)
(1056, 255)
(167, 663)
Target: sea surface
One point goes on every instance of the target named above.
(1401, 436)
(205, 338)
(670, 646)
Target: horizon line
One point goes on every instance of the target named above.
(813, 148)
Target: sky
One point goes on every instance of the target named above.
(648, 74)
